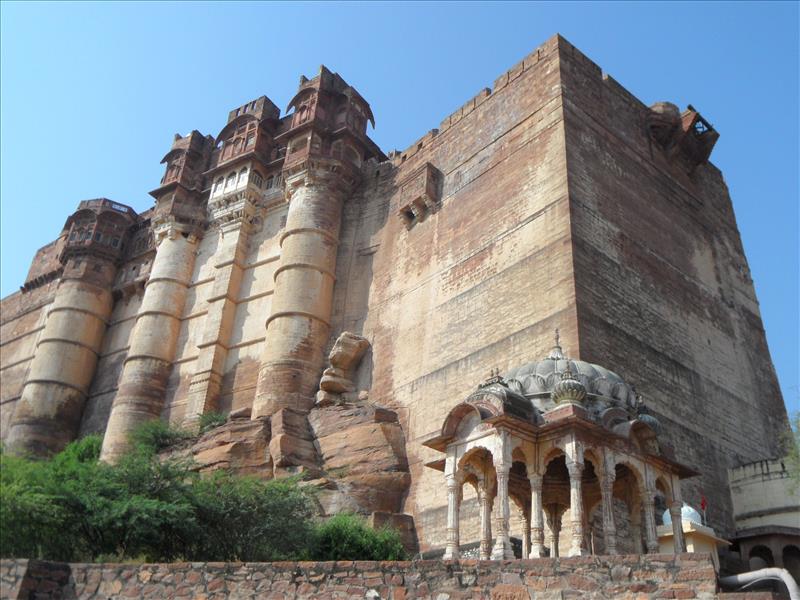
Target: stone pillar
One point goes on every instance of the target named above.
(537, 520)
(232, 216)
(142, 386)
(554, 523)
(486, 524)
(502, 546)
(651, 537)
(526, 537)
(636, 526)
(607, 505)
(299, 324)
(677, 526)
(48, 414)
(575, 507)
(451, 551)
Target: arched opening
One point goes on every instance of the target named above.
(791, 560)
(761, 557)
(662, 500)
(476, 469)
(555, 500)
(519, 492)
(628, 516)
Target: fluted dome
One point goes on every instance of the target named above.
(568, 389)
(541, 377)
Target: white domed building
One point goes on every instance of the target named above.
(561, 439)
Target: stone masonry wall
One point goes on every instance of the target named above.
(480, 282)
(664, 295)
(640, 577)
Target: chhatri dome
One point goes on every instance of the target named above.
(558, 378)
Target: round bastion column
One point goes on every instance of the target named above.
(299, 323)
(48, 414)
(142, 386)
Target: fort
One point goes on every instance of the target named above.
(386, 323)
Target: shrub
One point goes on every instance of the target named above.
(212, 420)
(348, 537)
(156, 435)
(75, 508)
(245, 519)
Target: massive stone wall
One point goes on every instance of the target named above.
(481, 281)
(664, 294)
(539, 204)
(642, 577)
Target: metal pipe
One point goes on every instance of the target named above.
(745, 579)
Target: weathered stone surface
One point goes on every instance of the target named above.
(450, 580)
(240, 445)
(362, 454)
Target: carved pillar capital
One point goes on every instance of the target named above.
(575, 469)
(536, 480)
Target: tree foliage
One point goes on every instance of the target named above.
(73, 507)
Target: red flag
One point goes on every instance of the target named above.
(703, 503)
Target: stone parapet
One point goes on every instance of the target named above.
(591, 577)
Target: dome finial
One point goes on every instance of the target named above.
(556, 353)
(568, 389)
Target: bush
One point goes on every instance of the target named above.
(245, 519)
(75, 508)
(348, 537)
(156, 435)
(149, 508)
(212, 420)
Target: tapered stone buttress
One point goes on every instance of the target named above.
(48, 414)
(299, 324)
(142, 387)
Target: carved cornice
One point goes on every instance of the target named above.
(235, 210)
(336, 175)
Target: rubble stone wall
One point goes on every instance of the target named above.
(643, 577)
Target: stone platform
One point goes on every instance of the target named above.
(592, 577)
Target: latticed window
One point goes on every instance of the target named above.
(243, 137)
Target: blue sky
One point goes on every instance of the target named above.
(92, 94)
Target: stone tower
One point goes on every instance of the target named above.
(555, 199)
(48, 413)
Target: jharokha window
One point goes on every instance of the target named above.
(243, 138)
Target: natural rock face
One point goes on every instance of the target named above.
(355, 454)
(363, 458)
(240, 445)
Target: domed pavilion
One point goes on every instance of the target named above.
(558, 437)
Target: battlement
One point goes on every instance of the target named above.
(261, 108)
